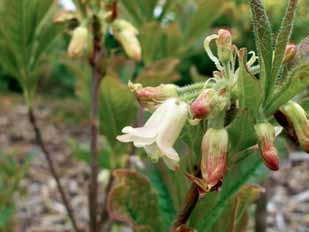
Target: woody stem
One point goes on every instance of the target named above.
(187, 207)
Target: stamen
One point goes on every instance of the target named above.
(209, 52)
(252, 59)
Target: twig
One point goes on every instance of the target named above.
(97, 75)
(40, 141)
(187, 207)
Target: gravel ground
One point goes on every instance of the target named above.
(41, 210)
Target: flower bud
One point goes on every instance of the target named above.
(290, 53)
(206, 102)
(126, 34)
(214, 156)
(224, 45)
(78, 42)
(63, 16)
(297, 117)
(151, 97)
(266, 136)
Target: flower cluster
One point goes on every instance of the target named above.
(208, 102)
(79, 21)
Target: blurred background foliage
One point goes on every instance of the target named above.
(172, 32)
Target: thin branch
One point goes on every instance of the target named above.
(187, 207)
(97, 75)
(48, 156)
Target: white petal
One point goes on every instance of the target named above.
(125, 138)
(171, 129)
(138, 141)
(170, 153)
(153, 152)
(142, 132)
(171, 164)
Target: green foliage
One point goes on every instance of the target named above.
(167, 210)
(171, 30)
(209, 211)
(251, 92)
(264, 40)
(162, 71)
(297, 81)
(283, 39)
(117, 109)
(11, 173)
(236, 211)
(25, 37)
(134, 201)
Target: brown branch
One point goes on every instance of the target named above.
(48, 156)
(187, 207)
(97, 75)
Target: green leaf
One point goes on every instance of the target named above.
(235, 216)
(133, 200)
(297, 81)
(139, 11)
(282, 41)
(159, 72)
(210, 209)
(25, 34)
(305, 104)
(241, 132)
(117, 109)
(167, 210)
(250, 89)
(207, 12)
(264, 44)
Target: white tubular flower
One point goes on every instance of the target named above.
(160, 132)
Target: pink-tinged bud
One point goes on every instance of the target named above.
(224, 45)
(151, 97)
(290, 53)
(126, 34)
(214, 156)
(297, 117)
(208, 101)
(266, 136)
(78, 42)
